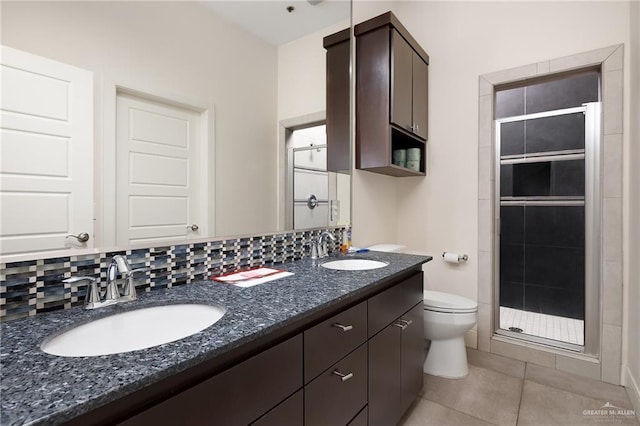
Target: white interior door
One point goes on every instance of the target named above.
(157, 196)
(310, 179)
(46, 154)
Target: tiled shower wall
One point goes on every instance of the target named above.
(605, 366)
(35, 286)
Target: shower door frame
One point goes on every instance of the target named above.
(593, 237)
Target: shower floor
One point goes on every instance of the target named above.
(549, 326)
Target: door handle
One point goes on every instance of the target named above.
(193, 227)
(82, 237)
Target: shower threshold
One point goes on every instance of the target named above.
(552, 327)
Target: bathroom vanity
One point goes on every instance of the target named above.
(319, 347)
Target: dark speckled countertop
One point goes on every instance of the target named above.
(37, 388)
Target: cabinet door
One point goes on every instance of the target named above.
(412, 355)
(401, 82)
(420, 96)
(384, 377)
(338, 159)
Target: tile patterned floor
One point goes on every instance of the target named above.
(549, 326)
(502, 391)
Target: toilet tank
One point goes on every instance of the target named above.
(393, 248)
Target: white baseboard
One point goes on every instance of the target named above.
(631, 385)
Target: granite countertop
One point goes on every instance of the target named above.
(38, 388)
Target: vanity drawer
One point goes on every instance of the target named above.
(333, 338)
(236, 396)
(334, 400)
(288, 412)
(393, 302)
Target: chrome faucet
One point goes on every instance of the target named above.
(120, 264)
(93, 300)
(319, 245)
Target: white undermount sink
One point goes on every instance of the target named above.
(133, 330)
(354, 264)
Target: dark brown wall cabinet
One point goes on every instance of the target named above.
(338, 129)
(391, 96)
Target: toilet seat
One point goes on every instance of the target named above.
(448, 303)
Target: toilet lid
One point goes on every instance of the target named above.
(447, 302)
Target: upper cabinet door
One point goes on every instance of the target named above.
(46, 155)
(338, 121)
(402, 82)
(391, 98)
(420, 95)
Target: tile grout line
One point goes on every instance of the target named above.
(524, 378)
(458, 411)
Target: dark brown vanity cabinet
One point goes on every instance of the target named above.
(239, 395)
(338, 48)
(391, 96)
(396, 352)
(357, 364)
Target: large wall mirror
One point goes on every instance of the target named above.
(142, 123)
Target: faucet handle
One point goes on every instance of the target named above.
(92, 296)
(113, 294)
(129, 291)
(315, 248)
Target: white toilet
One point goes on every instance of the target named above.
(446, 318)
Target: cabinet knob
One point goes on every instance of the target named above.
(342, 327)
(406, 322)
(343, 377)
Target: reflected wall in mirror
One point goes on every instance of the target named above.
(145, 122)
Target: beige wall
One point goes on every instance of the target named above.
(464, 40)
(302, 74)
(180, 48)
(631, 348)
(375, 210)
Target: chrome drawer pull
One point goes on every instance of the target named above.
(342, 327)
(406, 322)
(343, 377)
(402, 326)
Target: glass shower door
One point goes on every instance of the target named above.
(548, 199)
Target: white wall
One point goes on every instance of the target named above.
(464, 40)
(631, 324)
(181, 48)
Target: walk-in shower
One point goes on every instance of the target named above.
(548, 207)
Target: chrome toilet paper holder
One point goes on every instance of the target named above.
(461, 257)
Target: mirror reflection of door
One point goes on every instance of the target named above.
(46, 172)
(157, 166)
(311, 182)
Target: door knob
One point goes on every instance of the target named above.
(312, 201)
(82, 237)
(193, 227)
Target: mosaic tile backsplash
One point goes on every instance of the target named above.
(35, 286)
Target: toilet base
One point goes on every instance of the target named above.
(447, 358)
